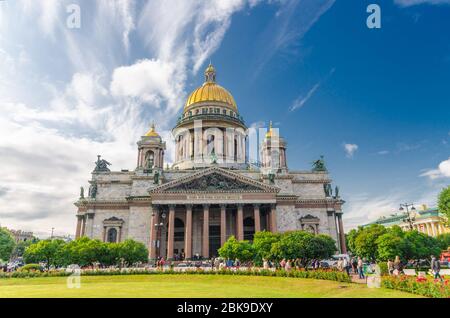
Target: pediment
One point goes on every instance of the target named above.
(214, 179)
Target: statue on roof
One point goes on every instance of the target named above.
(93, 190)
(101, 165)
(319, 165)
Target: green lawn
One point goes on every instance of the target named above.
(188, 286)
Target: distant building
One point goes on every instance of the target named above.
(428, 220)
(21, 236)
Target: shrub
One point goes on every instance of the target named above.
(31, 267)
(420, 286)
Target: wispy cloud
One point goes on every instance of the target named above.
(350, 149)
(383, 152)
(442, 171)
(68, 95)
(300, 101)
(292, 21)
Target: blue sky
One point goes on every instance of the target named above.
(374, 101)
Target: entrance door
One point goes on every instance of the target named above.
(214, 240)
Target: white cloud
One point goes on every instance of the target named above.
(350, 149)
(68, 95)
(408, 3)
(443, 171)
(383, 152)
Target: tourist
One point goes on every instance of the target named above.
(436, 268)
(283, 263)
(360, 268)
(237, 263)
(287, 266)
(340, 264)
(398, 267)
(265, 264)
(390, 267)
(346, 265)
(354, 264)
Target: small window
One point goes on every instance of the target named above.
(204, 111)
(224, 111)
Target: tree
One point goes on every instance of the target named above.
(262, 243)
(418, 245)
(20, 247)
(444, 202)
(131, 251)
(6, 244)
(48, 251)
(389, 245)
(303, 245)
(444, 241)
(350, 239)
(234, 249)
(365, 243)
(85, 251)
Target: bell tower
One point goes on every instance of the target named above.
(151, 149)
(273, 152)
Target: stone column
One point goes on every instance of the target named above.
(223, 224)
(433, 229)
(83, 225)
(427, 228)
(240, 222)
(341, 233)
(170, 232)
(154, 231)
(78, 230)
(273, 218)
(257, 218)
(188, 233)
(205, 245)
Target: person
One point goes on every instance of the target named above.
(283, 263)
(265, 264)
(436, 268)
(340, 264)
(398, 268)
(360, 268)
(390, 267)
(288, 266)
(346, 265)
(354, 263)
(237, 263)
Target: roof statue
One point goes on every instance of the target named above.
(101, 165)
(319, 165)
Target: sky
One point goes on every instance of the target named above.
(374, 102)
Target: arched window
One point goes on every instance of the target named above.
(112, 235)
(149, 159)
(210, 144)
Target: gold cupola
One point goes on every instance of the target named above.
(152, 132)
(210, 91)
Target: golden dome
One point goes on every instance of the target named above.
(210, 91)
(152, 132)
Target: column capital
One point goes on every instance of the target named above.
(223, 205)
(240, 205)
(257, 205)
(172, 206)
(188, 206)
(205, 206)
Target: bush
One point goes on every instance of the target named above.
(420, 286)
(383, 268)
(31, 267)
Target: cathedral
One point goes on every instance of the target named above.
(212, 190)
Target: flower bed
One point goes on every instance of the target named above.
(320, 274)
(418, 285)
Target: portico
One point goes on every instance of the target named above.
(197, 220)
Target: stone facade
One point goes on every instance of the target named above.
(211, 192)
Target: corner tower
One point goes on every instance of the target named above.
(151, 149)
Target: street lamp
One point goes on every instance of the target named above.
(158, 227)
(409, 216)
